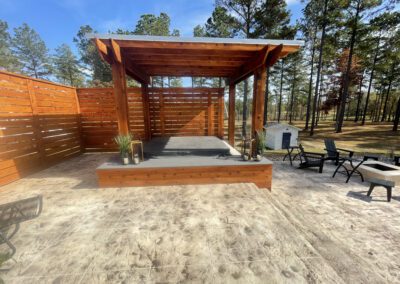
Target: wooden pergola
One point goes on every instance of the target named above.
(142, 57)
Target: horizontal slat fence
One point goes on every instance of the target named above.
(99, 117)
(186, 111)
(39, 125)
(42, 123)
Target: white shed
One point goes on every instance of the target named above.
(281, 136)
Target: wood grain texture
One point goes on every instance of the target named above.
(231, 119)
(186, 111)
(260, 175)
(39, 125)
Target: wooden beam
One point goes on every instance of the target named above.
(221, 114)
(146, 111)
(185, 57)
(103, 50)
(131, 69)
(258, 99)
(190, 45)
(198, 73)
(179, 62)
(136, 72)
(188, 52)
(231, 120)
(274, 55)
(248, 68)
(120, 94)
(116, 50)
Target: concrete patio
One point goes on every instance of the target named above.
(310, 228)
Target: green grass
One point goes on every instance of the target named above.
(377, 138)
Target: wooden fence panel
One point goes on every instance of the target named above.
(186, 111)
(98, 118)
(39, 125)
(173, 112)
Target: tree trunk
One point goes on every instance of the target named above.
(310, 85)
(339, 122)
(319, 96)
(319, 67)
(370, 79)
(244, 113)
(266, 98)
(387, 94)
(397, 117)
(380, 102)
(280, 93)
(292, 98)
(359, 99)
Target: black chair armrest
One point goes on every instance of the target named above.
(314, 154)
(345, 150)
(333, 152)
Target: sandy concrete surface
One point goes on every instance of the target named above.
(309, 229)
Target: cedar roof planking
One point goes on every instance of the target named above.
(146, 56)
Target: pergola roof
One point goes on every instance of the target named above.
(236, 59)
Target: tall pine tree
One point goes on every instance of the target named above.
(31, 52)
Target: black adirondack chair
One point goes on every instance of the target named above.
(333, 153)
(396, 161)
(311, 160)
(14, 213)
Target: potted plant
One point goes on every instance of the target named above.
(260, 144)
(124, 146)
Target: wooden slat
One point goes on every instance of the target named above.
(261, 175)
(39, 125)
(231, 122)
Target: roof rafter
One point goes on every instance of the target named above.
(131, 69)
(248, 68)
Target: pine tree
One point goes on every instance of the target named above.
(7, 59)
(356, 10)
(272, 21)
(90, 58)
(31, 52)
(244, 14)
(220, 24)
(66, 66)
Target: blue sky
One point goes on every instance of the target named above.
(57, 21)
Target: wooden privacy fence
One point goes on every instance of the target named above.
(39, 125)
(186, 111)
(99, 117)
(172, 111)
(42, 123)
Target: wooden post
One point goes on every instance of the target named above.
(221, 114)
(120, 94)
(258, 100)
(231, 121)
(146, 111)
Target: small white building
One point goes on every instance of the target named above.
(281, 136)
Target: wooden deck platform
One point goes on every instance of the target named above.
(184, 170)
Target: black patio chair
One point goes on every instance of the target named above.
(333, 153)
(14, 213)
(311, 160)
(396, 161)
